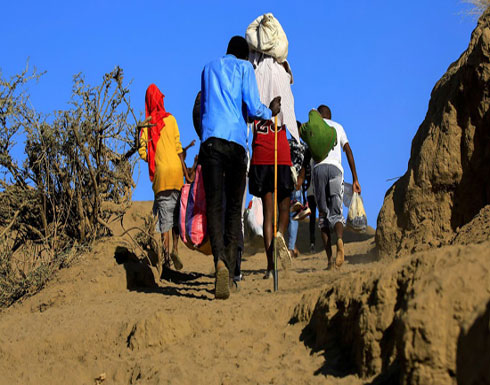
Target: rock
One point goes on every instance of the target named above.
(473, 361)
(447, 182)
(410, 321)
(476, 231)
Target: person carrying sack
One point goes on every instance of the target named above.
(328, 179)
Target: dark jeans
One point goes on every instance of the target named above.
(224, 167)
(312, 206)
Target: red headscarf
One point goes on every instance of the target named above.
(154, 108)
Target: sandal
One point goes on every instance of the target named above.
(176, 260)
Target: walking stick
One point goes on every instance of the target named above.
(276, 278)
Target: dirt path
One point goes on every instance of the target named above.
(87, 322)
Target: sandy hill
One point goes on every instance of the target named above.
(411, 308)
(101, 316)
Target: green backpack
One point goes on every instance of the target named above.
(318, 135)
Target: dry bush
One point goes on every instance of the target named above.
(76, 175)
(478, 6)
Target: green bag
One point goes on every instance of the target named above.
(318, 135)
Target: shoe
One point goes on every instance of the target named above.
(302, 214)
(312, 248)
(176, 260)
(268, 274)
(339, 259)
(234, 287)
(238, 278)
(283, 252)
(222, 284)
(295, 206)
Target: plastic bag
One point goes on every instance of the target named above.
(347, 194)
(192, 218)
(356, 218)
(254, 217)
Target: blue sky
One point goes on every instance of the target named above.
(373, 62)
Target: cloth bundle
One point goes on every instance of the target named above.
(318, 135)
(265, 34)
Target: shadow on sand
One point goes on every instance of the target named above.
(142, 277)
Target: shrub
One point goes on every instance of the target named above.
(76, 176)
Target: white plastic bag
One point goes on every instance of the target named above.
(265, 34)
(254, 217)
(347, 194)
(356, 218)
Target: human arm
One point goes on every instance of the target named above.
(184, 167)
(192, 171)
(143, 139)
(180, 150)
(356, 187)
(190, 145)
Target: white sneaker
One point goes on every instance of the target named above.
(283, 251)
(302, 214)
(296, 206)
(268, 274)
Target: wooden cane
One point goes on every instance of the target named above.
(276, 278)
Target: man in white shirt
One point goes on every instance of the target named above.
(328, 180)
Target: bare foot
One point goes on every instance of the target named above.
(339, 259)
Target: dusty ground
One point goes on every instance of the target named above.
(92, 326)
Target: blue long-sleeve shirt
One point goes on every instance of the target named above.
(226, 84)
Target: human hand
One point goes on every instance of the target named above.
(190, 176)
(356, 187)
(275, 105)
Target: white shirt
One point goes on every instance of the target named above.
(272, 81)
(334, 157)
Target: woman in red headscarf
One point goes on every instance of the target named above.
(160, 146)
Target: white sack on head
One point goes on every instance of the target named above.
(273, 80)
(265, 34)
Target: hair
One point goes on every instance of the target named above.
(238, 46)
(324, 111)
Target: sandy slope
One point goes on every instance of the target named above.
(87, 322)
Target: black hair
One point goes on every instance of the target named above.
(238, 46)
(324, 111)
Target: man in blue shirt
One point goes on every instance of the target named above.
(228, 92)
